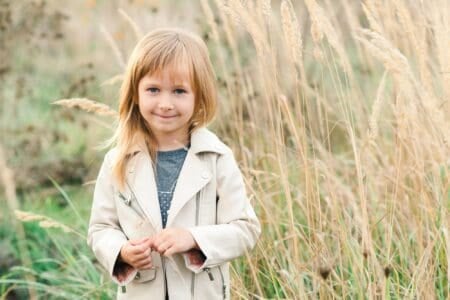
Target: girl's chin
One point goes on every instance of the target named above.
(167, 129)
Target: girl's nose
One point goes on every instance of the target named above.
(165, 103)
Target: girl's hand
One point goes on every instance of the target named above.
(173, 240)
(137, 253)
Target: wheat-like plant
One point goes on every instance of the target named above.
(115, 48)
(87, 105)
(7, 180)
(337, 115)
(44, 221)
(137, 30)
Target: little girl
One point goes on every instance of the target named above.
(170, 208)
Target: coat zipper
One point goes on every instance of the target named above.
(192, 285)
(141, 212)
(224, 287)
(129, 202)
(163, 262)
(197, 214)
(210, 275)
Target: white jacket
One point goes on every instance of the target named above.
(209, 200)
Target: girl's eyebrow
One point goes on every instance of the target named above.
(156, 82)
(147, 82)
(183, 85)
(150, 81)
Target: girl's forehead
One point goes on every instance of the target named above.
(173, 72)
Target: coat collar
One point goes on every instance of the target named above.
(194, 175)
(202, 140)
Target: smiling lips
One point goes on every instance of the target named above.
(165, 117)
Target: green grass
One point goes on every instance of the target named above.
(63, 265)
(43, 141)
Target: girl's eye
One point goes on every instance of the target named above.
(153, 90)
(179, 91)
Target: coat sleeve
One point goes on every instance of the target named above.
(105, 236)
(237, 228)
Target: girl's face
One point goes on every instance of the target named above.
(166, 102)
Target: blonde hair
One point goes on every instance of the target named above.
(160, 49)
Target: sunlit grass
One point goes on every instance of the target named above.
(341, 133)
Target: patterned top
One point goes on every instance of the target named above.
(168, 167)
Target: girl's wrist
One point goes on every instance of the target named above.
(121, 257)
(196, 246)
(194, 242)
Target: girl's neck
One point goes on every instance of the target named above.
(168, 142)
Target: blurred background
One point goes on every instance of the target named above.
(337, 111)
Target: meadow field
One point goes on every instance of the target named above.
(338, 113)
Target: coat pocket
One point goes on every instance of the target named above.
(145, 275)
(213, 283)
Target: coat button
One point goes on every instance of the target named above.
(205, 175)
(138, 276)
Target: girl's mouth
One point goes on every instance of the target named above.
(165, 117)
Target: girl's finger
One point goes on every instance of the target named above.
(147, 267)
(158, 240)
(149, 242)
(140, 256)
(163, 247)
(144, 262)
(139, 249)
(172, 250)
(136, 242)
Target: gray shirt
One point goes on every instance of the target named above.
(168, 167)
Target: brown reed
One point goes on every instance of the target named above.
(87, 105)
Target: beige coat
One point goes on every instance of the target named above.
(209, 200)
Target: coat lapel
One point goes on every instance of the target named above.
(144, 187)
(193, 177)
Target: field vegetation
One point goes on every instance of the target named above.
(337, 111)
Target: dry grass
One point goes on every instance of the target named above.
(340, 125)
(347, 215)
(87, 105)
(7, 181)
(44, 222)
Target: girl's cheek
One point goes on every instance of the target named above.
(143, 108)
(144, 103)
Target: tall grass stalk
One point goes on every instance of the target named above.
(338, 115)
(7, 180)
(351, 182)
